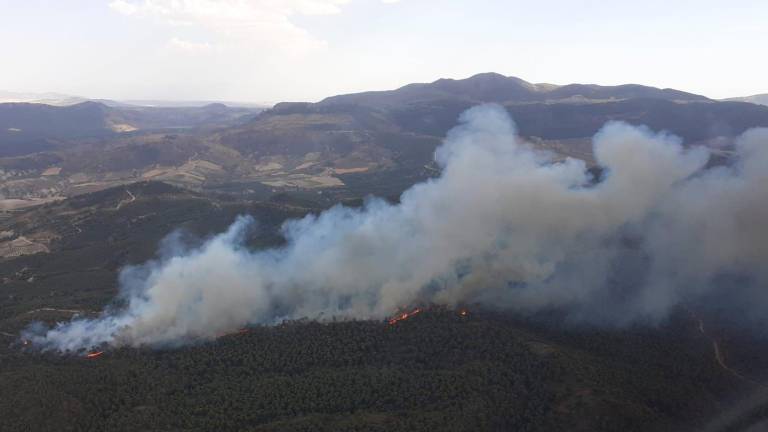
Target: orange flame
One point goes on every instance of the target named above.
(404, 316)
(94, 354)
(463, 312)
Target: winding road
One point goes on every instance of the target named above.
(719, 357)
(128, 201)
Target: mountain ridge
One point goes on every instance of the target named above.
(494, 87)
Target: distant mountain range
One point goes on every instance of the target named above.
(487, 87)
(58, 99)
(27, 128)
(761, 99)
(373, 142)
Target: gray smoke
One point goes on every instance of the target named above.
(503, 226)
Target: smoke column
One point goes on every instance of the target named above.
(503, 226)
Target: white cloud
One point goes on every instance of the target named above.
(256, 23)
(123, 7)
(189, 47)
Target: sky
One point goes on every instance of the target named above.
(304, 50)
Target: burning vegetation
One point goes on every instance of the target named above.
(404, 316)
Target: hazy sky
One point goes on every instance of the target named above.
(273, 50)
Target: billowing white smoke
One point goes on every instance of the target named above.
(503, 226)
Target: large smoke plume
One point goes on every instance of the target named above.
(503, 226)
